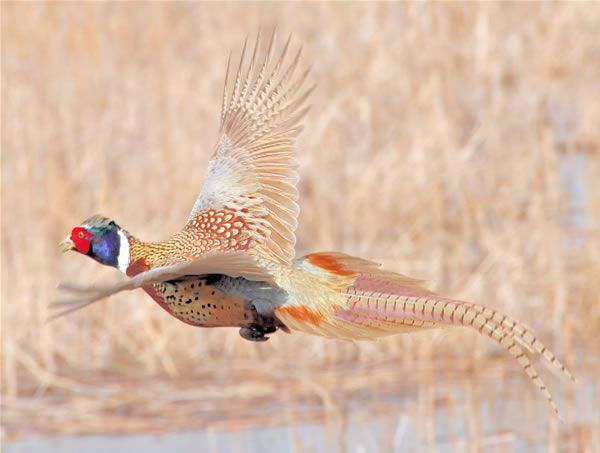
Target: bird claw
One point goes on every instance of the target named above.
(256, 332)
(263, 320)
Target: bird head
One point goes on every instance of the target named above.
(102, 239)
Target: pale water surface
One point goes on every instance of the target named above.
(502, 419)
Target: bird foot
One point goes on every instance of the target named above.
(256, 332)
(264, 320)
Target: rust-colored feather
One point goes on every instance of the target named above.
(377, 303)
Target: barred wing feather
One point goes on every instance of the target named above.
(253, 169)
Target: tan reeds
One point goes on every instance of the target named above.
(434, 144)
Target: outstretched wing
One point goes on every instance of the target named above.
(252, 173)
(234, 264)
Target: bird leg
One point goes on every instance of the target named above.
(263, 321)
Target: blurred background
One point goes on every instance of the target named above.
(458, 143)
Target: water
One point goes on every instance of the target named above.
(494, 414)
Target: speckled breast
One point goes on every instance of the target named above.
(218, 300)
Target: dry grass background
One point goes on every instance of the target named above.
(434, 144)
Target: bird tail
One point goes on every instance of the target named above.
(376, 303)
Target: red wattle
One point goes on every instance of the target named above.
(81, 238)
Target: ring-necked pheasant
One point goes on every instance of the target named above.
(233, 262)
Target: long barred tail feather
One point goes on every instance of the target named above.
(381, 311)
(379, 303)
(525, 337)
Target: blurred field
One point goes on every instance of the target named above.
(458, 143)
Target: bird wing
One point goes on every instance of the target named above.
(252, 173)
(234, 264)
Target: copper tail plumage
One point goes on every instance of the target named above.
(378, 303)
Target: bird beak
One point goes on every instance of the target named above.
(66, 245)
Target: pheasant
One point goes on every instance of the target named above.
(233, 263)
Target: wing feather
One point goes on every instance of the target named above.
(253, 169)
(234, 264)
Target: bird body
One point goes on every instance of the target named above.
(220, 301)
(233, 264)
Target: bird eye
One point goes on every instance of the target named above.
(80, 235)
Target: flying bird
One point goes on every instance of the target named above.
(233, 263)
